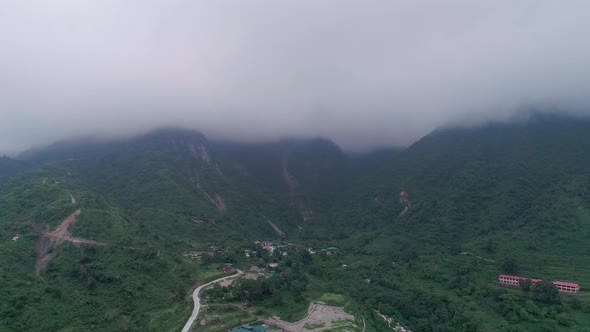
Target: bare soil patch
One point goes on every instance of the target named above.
(226, 283)
(50, 240)
(289, 179)
(404, 199)
(320, 317)
(274, 227)
(254, 273)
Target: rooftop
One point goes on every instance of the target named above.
(556, 283)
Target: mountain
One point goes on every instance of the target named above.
(501, 198)
(101, 227)
(422, 233)
(303, 173)
(10, 167)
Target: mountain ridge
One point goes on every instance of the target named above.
(400, 219)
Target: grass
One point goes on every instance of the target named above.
(222, 317)
(171, 319)
(337, 300)
(314, 326)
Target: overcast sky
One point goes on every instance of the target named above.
(364, 73)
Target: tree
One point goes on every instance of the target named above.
(276, 298)
(408, 254)
(306, 257)
(510, 264)
(546, 291)
(564, 319)
(491, 247)
(525, 285)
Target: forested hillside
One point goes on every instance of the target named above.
(423, 233)
(503, 198)
(10, 167)
(143, 203)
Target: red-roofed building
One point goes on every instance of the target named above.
(269, 248)
(566, 287)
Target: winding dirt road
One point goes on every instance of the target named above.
(49, 241)
(197, 299)
(478, 257)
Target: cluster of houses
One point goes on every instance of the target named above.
(250, 253)
(270, 247)
(212, 251)
(565, 287)
(275, 250)
(283, 249)
(194, 254)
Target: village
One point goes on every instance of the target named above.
(265, 255)
(262, 260)
(268, 258)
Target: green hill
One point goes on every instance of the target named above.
(423, 232)
(10, 167)
(495, 199)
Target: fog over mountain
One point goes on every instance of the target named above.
(365, 74)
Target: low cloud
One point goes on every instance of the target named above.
(366, 74)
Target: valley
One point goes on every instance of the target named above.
(294, 166)
(115, 235)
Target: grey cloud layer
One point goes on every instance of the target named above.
(364, 73)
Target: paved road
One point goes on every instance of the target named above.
(197, 300)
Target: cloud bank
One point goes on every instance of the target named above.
(364, 73)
